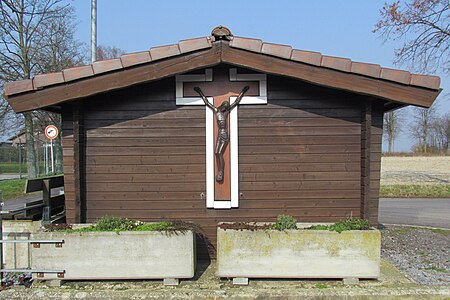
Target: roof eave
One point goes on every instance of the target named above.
(266, 61)
(118, 79)
(355, 83)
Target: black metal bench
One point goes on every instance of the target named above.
(49, 206)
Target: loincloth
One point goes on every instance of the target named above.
(222, 136)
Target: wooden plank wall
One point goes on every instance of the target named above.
(67, 141)
(300, 154)
(375, 160)
(145, 157)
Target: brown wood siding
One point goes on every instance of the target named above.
(375, 160)
(68, 161)
(145, 157)
(300, 154)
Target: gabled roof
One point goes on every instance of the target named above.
(47, 90)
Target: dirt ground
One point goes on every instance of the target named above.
(422, 253)
(205, 285)
(415, 170)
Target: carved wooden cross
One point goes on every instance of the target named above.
(221, 84)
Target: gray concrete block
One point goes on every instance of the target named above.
(240, 281)
(112, 256)
(55, 283)
(350, 281)
(171, 281)
(298, 254)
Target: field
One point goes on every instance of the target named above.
(429, 170)
(415, 176)
(11, 168)
(12, 188)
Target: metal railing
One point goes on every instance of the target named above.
(45, 205)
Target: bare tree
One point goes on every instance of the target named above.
(421, 126)
(35, 36)
(440, 134)
(392, 127)
(108, 52)
(59, 51)
(425, 25)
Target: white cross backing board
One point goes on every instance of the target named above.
(259, 97)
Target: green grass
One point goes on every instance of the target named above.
(321, 286)
(285, 222)
(441, 231)
(407, 191)
(423, 253)
(344, 225)
(12, 189)
(161, 226)
(118, 224)
(436, 269)
(12, 168)
(403, 230)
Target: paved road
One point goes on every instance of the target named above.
(11, 176)
(425, 212)
(18, 203)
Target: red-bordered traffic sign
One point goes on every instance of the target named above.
(51, 132)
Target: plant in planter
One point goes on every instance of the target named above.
(118, 248)
(285, 249)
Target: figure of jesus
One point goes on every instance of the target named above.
(222, 125)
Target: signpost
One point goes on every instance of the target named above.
(51, 132)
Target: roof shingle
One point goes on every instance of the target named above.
(42, 80)
(19, 86)
(137, 58)
(253, 45)
(108, 65)
(309, 57)
(396, 75)
(164, 51)
(248, 44)
(77, 73)
(337, 63)
(371, 70)
(194, 44)
(282, 51)
(431, 82)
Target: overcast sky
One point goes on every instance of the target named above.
(337, 28)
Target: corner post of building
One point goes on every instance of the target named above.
(79, 149)
(366, 129)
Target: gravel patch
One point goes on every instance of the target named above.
(422, 253)
(415, 170)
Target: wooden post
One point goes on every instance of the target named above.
(366, 127)
(46, 210)
(79, 163)
(20, 160)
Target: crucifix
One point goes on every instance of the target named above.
(223, 138)
(224, 85)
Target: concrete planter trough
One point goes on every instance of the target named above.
(111, 255)
(243, 254)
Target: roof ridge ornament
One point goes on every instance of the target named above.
(221, 33)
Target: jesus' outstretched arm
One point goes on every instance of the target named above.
(239, 97)
(200, 92)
